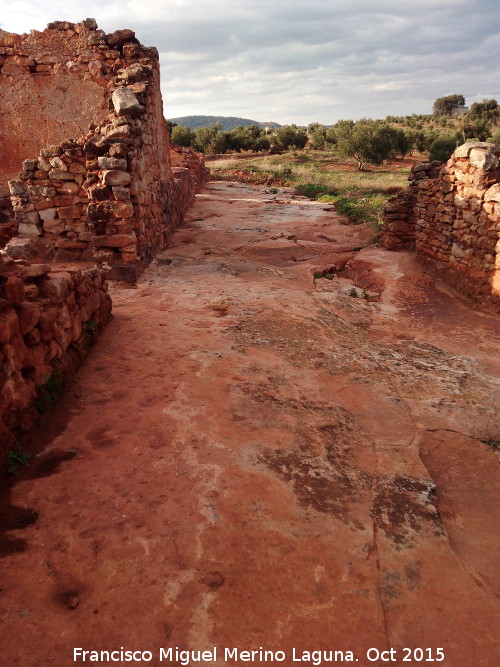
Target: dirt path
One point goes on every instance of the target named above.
(253, 458)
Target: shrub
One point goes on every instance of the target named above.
(442, 147)
(311, 190)
(495, 139)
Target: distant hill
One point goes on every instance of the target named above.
(228, 122)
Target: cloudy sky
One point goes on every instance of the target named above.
(300, 60)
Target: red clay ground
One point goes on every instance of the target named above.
(254, 458)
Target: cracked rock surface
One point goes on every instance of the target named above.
(253, 455)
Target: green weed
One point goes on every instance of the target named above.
(17, 458)
(311, 190)
(328, 274)
(90, 328)
(50, 392)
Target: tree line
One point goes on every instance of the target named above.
(367, 141)
(242, 138)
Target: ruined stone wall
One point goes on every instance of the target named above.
(48, 318)
(108, 194)
(451, 215)
(53, 85)
(86, 154)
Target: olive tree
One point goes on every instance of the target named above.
(288, 137)
(368, 141)
(181, 136)
(209, 139)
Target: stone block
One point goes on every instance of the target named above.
(34, 272)
(57, 163)
(48, 214)
(60, 175)
(29, 230)
(138, 88)
(13, 290)
(112, 209)
(92, 303)
(43, 164)
(17, 187)
(53, 226)
(115, 240)
(55, 288)
(28, 315)
(121, 193)
(470, 217)
(120, 131)
(41, 190)
(132, 73)
(51, 151)
(78, 168)
(69, 187)
(70, 244)
(47, 319)
(464, 150)
(9, 325)
(493, 193)
(483, 159)
(457, 251)
(99, 193)
(116, 177)
(120, 37)
(72, 212)
(19, 248)
(112, 163)
(126, 103)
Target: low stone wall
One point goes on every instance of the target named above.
(48, 318)
(451, 215)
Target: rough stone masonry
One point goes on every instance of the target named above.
(83, 112)
(451, 215)
(87, 177)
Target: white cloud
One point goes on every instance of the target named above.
(300, 60)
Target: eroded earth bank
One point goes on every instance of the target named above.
(253, 456)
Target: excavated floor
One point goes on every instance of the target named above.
(256, 457)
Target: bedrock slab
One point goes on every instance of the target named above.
(258, 456)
